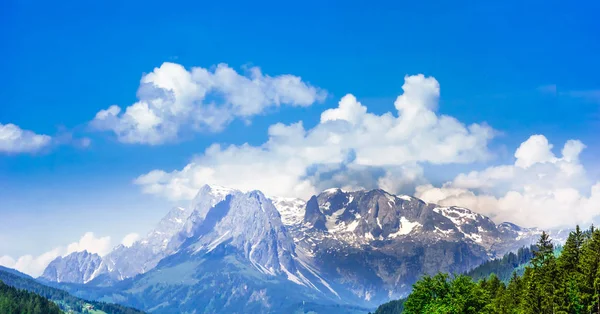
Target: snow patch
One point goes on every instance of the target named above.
(352, 226)
(406, 227)
(391, 199)
(312, 271)
(405, 197)
(220, 191)
(291, 277)
(458, 215)
(291, 210)
(474, 236)
(444, 232)
(213, 245)
(332, 223)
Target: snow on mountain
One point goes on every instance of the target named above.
(165, 239)
(370, 245)
(379, 243)
(249, 222)
(291, 209)
(77, 267)
(520, 234)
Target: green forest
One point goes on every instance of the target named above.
(565, 283)
(504, 267)
(65, 301)
(14, 301)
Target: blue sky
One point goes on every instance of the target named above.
(521, 68)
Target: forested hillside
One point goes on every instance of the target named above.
(63, 299)
(569, 283)
(504, 267)
(14, 301)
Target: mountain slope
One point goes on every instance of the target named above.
(377, 244)
(503, 267)
(75, 267)
(20, 301)
(66, 301)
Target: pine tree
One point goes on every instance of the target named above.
(544, 252)
(590, 262)
(571, 252)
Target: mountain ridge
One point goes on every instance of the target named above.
(364, 246)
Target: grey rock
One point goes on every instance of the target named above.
(77, 267)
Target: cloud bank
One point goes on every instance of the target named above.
(349, 147)
(14, 140)
(352, 148)
(540, 189)
(173, 99)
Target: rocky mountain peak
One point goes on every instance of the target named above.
(367, 214)
(291, 209)
(251, 223)
(77, 267)
(313, 214)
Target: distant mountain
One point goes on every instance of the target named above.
(234, 251)
(63, 299)
(75, 267)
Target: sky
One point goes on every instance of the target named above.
(113, 112)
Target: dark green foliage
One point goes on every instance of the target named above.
(62, 298)
(567, 284)
(14, 301)
(503, 267)
(395, 306)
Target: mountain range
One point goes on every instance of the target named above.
(239, 252)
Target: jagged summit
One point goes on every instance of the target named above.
(249, 222)
(369, 215)
(77, 267)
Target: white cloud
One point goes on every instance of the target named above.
(130, 239)
(90, 243)
(535, 150)
(540, 189)
(350, 148)
(35, 265)
(16, 140)
(173, 99)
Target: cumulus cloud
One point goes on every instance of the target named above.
(173, 99)
(540, 189)
(14, 140)
(35, 265)
(90, 243)
(130, 239)
(350, 147)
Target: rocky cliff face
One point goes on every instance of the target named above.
(377, 244)
(79, 267)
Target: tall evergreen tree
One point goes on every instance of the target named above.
(590, 262)
(571, 251)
